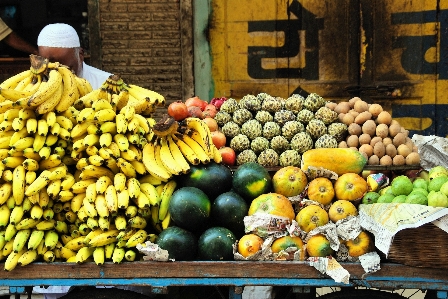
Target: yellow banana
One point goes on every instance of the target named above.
(23, 84)
(91, 139)
(138, 238)
(23, 143)
(133, 186)
(118, 255)
(53, 188)
(121, 123)
(83, 254)
(51, 239)
(36, 212)
(18, 184)
(96, 160)
(46, 89)
(120, 181)
(149, 178)
(11, 114)
(39, 142)
(76, 202)
(44, 199)
(104, 115)
(167, 158)
(149, 160)
(198, 125)
(131, 211)
(91, 171)
(126, 168)
(89, 208)
(12, 82)
(111, 199)
(75, 243)
(35, 238)
(101, 206)
(16, 215)
(90, 193)
(20, 240)
(50, 117)
(84, 86)
(51, 161)
(165, 198)
(5, 212)
(99, 255)
(39, 183)
(27, 257)
(102, 183)
(115, 150)
(46, 224)
(177, 155)
(120, 222)
(197, 149)
(151, 193)
(13, 259)
(108, 127)
(26, 223)
(30, 165)
(70, 93)
(123, 199)
(80, 129)
(14, 95)
(122, 142)
(51, 102)
(105, 238)
(130, 255)
(64, 122)
(13, 162)
(105, 139)
(139, 167)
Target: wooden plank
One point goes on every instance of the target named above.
(186, 36)
(94, 37)
(249, 270)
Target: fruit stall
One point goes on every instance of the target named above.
(302, 193)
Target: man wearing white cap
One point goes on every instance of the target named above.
(60, 43)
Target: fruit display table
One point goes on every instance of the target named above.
(236, 275)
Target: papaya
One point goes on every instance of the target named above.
(338, 160)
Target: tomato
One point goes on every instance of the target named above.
(196, 101)
(178, 110)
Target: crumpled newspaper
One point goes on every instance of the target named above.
(433, 150)
(266, 225)
(331, 267)
(152, 252)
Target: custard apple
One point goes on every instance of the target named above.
(271, 104)
(241, 115)
(271, 129)
(326, 141)
(305, 115)
(291, 128)
(251, 103)
(326, 115)
(268, 158)
(294, 103)
(302, 142)
(252, 129)
(313, 102)
(246, 156)
(264, 116)
(231, 129)
(222, 117)
(259, 144)
(290, 158)
(239, 143)
(338, 131)
(316, 128)
(279, 144)
(282, 116)
(229, 106)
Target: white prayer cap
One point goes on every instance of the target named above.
(58, 36)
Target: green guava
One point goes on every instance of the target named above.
(385, 198)
(370, 197)
(417, 198)
(437, 199)
(436, 183)
(420, 183)
(401, 185)
(437, 171)
(399, 198)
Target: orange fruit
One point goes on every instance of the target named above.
(249, 244)
(341, 209)
(311, 217)
(362, 244)
(350, 186)
(285, 242)
(321, 190)
(289, 181)
(272, 203)
(318, 245)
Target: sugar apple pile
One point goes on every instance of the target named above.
(274, 131)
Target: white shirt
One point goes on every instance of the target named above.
(96, 77)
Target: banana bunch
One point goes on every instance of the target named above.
(119, 94)
(45, 87)
(173, 147)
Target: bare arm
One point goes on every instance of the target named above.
(15, 41)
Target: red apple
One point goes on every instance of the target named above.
(228, 155)
(219, 139)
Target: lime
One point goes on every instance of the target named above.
(401, 185)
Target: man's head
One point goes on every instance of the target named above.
(60, 43)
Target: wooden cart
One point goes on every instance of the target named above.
(160, 276)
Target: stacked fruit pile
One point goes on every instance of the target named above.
(372, 131)
(87, 173)
(429, 188)
(273, 131)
